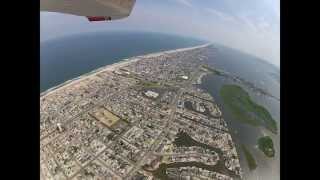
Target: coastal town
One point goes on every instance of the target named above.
(140, 119)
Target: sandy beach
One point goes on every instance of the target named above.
(112, 67)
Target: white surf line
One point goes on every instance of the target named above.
(113, 66)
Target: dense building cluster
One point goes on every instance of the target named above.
(143, 118)
(195, 173)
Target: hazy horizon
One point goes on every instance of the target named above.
(250, 26)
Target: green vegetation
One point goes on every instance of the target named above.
(265, 144)
(184, 140)
(245, 110)
(125, 119)
(249, 157)
(160, 173)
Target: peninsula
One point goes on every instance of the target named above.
(141, 118)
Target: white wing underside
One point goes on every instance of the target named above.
(115, 9)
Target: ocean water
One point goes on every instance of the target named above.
(68, 57)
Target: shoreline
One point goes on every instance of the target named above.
(113, 66)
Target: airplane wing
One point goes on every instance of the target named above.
(94, 10)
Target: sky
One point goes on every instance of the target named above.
(252, 26)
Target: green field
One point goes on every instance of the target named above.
(249, 157)
(265, 144)
(245, 110)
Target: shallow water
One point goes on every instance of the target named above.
(255, 71)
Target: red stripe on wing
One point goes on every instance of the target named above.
(98, 18)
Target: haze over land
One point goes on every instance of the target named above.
(251, 26)
(109, 108)
(143, 118)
